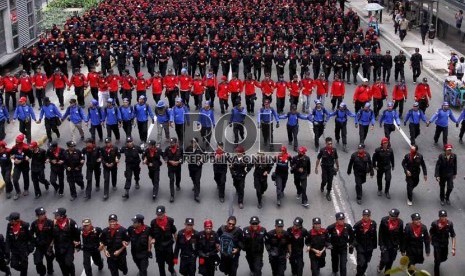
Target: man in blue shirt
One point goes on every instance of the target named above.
(365, 117)
(112, 117)
(265, 122)
(318, 117)
(178, 118)
(341, 115)
(388, 118)
(441, 118)
(142, 112)
(236, 121)
(4, 118)
(25, 114)
(293, 125)
(207, 122)
(95, 116)
(127, 117)
(163, 114)
(76, 116)
(52, 118)
(414, 116)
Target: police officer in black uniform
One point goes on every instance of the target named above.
(74, 160)
(239, 170)
(141, 247)
(262, 170)
(195, 164)
(317, 242)
(365, 241)
(390, 239)
(186, 243)
(6, 166)
(115, 240)
(90, 245)
(65, 240)
(110, 159)
(328, 158)
(42, 237)
(93, 155)
(4, 259)
(297, 236)
(383, 163)
(360, 161)
(132, 161)
(441, 230)
(173, 158)
(415, 236)
(152, 157)
(55, 156)
(301, 168)
(340, 237)
(220, 169)
(38, 159)
(412, 163)
(230, 243)
(278, 246)
(18, 243)
(445, 173)
(207, 250)
(387, 66)
(399, 62)
(254, 245)
(162, 232)
(416, 62)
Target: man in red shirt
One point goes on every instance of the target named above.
(362, 95)
(103, 93)
(185, 86)
(307, 84)
(223, 94)
(113, 85)
(170, 82)
(59, 81)
(399, 96)
(211, 85)
(322, 88)
(25, 83)
(281, 89)
(197, 91)
(235, 88)
(157, 86)
(423, 94)
(79, 81)
(141, 85)
(10, 84)
(379, 92)
(127, 83)
(39, 81)
(250, 96)
(267, 86)
(294, 91)
(92, 78)
(338, 90)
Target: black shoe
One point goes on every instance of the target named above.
(172, 199)
(328, 197)
(278, 202)
(197, 199)
(47, 186)
(178, 188)
(115, 188)
(72, 198)
(87, 197)
(82, 138)
(447, 202)
(137, 186)
(241, 206)
(105, 197)
(82, 187)
(37, 196)
(442, 203)
(126, 194)
(221, 199)
(100, 267)
(359, 201)
(154, 197)
(97, 188)
(380, 193)
(388, 196)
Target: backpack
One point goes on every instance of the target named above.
(226, 242)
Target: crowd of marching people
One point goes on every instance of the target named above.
(204, 251)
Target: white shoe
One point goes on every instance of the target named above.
(409, 203)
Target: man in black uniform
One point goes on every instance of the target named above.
(42, 237)
(141, 247)
(207, 250)
(365, 241)
(195, 163)
(328, 158)
(316, 242)
(239, 169)
(297, 236)
(412, 163)
(416, 62)
(90, 245)
(399, 62)
(415, 235)
(301, 168)
(340, 236)
(390, 239)
(230, 243)
(20, 154)
(173, 158)
(367, 63)
(132, 161)
(220, 169)
(93, 155)
(445, 173)
(38, 158)
(55, 156)
(278, 247)
(186, 243)
(110, 159)
(360, 161)
(440, 232)
(355, 61)
(6, 166)
(74, 160)
(387, 66)
(316, 63)
(377, 62)
(254, 245)
(383, 163)
(4, 258)
(18, 243)
(162, 232)
(260, 175)
(152, 157)
(65, 240)
(115, 240)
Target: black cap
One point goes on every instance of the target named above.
(40, 211)
(189, 221)
(366, 212)
(415, 216)
(340, 215)
(254, 220)
(160, 210)
(394, 212)
(220, 144)
(72, 100)
(361, 146)
(442, 213)
(298, 221)
(138, 218)
(13, 216)
(89, 140)
(279, 223)
(112, 217)
(152, 142)
(173, 140)
(316, 221)
(70, 144)
(46, 100)
(60, 212)
(129, 140)
(53, 144)
(108, 140)
(425, 79)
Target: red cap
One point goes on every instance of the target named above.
(283, 149)
(208, 223)
(20, 138)
(2, 144)
(140, 74)
(34, 144)
(302, 150)
(384, 140)
(223, 78)
(448, 146)
(22, 99)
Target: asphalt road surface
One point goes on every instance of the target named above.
(426, 195)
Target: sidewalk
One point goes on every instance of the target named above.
(434, 64)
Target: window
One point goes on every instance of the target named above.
(30, 19)
(14, 24)
(2, 35)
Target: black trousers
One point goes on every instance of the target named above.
(29, 95)
(210, 95)
(129, 172)
(6, 175)
(107, 172)
(99, 130)
(9, 95)
(423, 104)
(229, 265)
(260, 185)
(51, 125)
(292, 132)
(388, 128)
(437, 133)
(280, 103)
(445, 181)
(293, 100)
(154, 175)
(224, 105)
(355, 70)
(397, 71)
(239, 184)
(377, 106)
(117, 263)
(87, 256)
(79, 92)
(414, 130)
(74, 177)
(386, 74)
(360, 179)
(281, 181)
(114, 96)
(126, 93)
(25, 128)
(255, 262)
(179, 128)
(267, 132)
(339, 261)
(38, 257)
(2, 130)
(235, 96)
(358, 105)
(388, 256)
(65, 259)
(220, 179)
(257, 73)
(96, 171)
(5, 268)
(127, 127)
(316, 70)
(301, 186)
(187, 265)
(206, 133)
(366, 72)
(164, 257)
(174, 174)
(363, 132)
(94, 92)
(440, 255)
(114, 129)
(363, 258)
(318, 130)
(412, 182)
(416, 70)
(143, 130)
(387, 177)
(142, 264)
(40, 94)
(250, 102)
(297, 264)
(19, 262)
(340, 130)
(327, 175)
(196, 174)
(58, 174)
(39, 177)
(278, 265)
(238, 129)
(59, 93)
(336, 101)
(185, 96)
(17, 171)
(399, 104)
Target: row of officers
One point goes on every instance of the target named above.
(209, 250)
